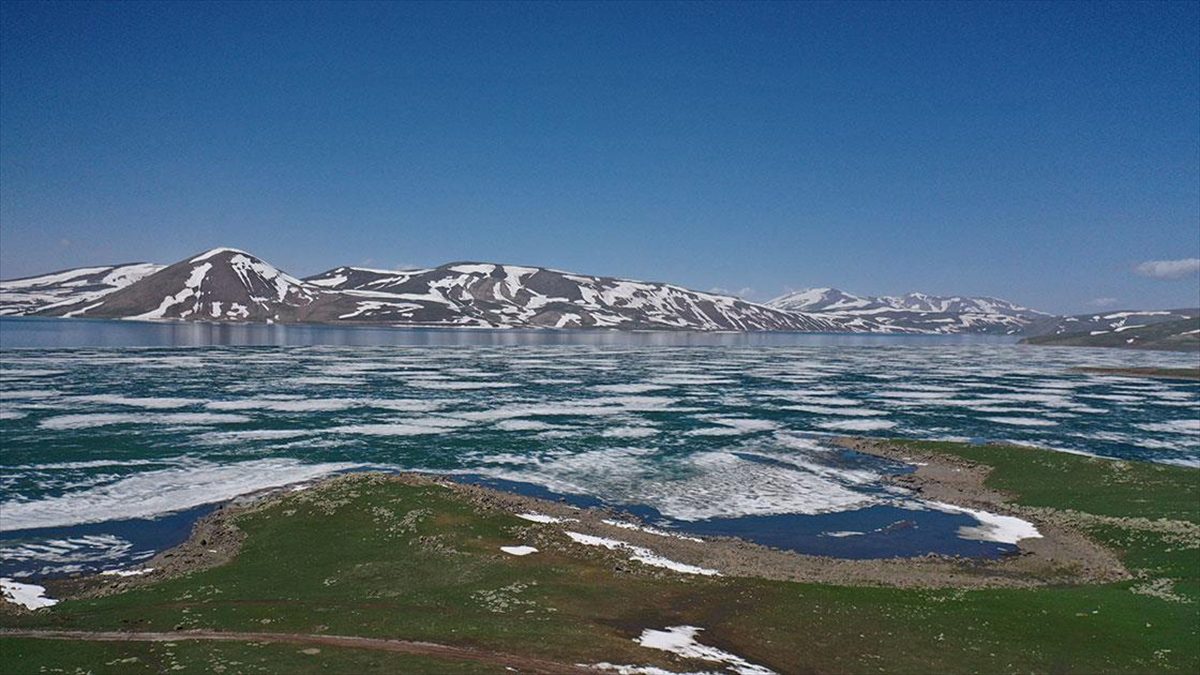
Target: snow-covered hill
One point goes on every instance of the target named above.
(1175, 330)
(487, 294)
(69, 287)
(1109, 322)
(230, 285)
(226, 284)
(913, 313)
(220, 284)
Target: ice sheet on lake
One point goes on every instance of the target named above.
(151, 493)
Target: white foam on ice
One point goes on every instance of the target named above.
(697, 486)
(317, 381)
(857, 425)
(1023, 421)
(826, 410)
(733, 426)
(911, 396)
(632, 388)
(152, 493)
(686, 379)
(525, 425)
(87, 421)
(250, 435)
(629, 432)
(418, 426)
(460, 385)
(1190, 427)
(298, 405)
(150, 402)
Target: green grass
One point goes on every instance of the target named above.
(24, 656)
(1064, 481)
(385, 559)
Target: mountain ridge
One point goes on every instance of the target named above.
(915, 311)
(229, 284)
(226, 284)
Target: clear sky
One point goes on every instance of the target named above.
(1039, 152)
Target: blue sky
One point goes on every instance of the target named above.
(1036, 151)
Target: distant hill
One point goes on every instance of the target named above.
(915, 312)
(1175, 330)
(226, 284)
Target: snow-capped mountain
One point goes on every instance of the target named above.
(913, 313)
(230, 285)
(69, 287)
(220, 284)
(226, 284)
(487, 294)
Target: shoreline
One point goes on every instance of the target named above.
(1062, 555)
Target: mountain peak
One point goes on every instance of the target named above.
(220, 250)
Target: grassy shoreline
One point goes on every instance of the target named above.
(394, 559)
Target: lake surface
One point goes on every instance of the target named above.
(715, 434)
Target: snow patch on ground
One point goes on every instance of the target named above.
(518, 550)
(127, 573)
(992, 526)
(643, 555)
(681, 640)
(29, 596)
(649, 530)
(542, 518)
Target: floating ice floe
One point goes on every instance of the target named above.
(29, 596)
(1023, 421)
(151, 402)
(518, 550)
(152, 493)
(857, 425)
(1190, 426)
(87, 421)
(643, 555)
(681, 640)
(629, 432)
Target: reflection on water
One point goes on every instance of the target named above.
(20, 333)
